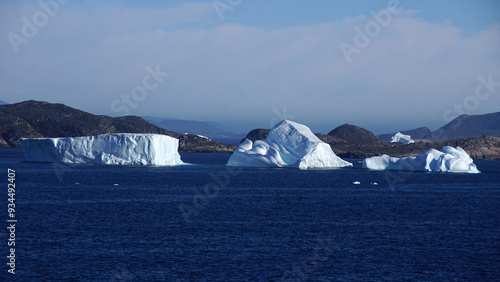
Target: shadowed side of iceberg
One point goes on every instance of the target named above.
(449, 159)
(322, 157)
(288, 144)
(118, 149)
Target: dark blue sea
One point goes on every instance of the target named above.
(205, 222)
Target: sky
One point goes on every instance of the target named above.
(382, 65)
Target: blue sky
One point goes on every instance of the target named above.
(251, 63)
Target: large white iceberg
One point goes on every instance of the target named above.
(122, 148)
(449, 159)
(288, 144)
(402, 138)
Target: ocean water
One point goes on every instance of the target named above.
(208, 222)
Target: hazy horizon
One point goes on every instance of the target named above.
(382, 65)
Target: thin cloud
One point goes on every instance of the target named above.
(408, 75)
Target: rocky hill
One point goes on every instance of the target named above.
(257, 134)
(484, 147)
(356, 135)
(35, 119)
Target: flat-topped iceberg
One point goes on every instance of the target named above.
(288, 144)
(120, 149)
(401, 138)
(449, 159)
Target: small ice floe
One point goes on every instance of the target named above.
(356, 182)
(374, 183)
(205, 137)
(116, 184)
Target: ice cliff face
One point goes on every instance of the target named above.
(449, 159)
(288, 144)
(122, 149)
(401, 138)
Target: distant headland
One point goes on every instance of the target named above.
(478, 135)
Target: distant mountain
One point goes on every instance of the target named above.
(211, 130)
(35, 119)
(421, 133)
(222, 127)
(153, 120)
(467, 126)
(464, 126)
(189, 126)
(355, 135)
(2, 102)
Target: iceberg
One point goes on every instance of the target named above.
(401, 138)
(288, 144)
(118, 149)
(449, 159)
